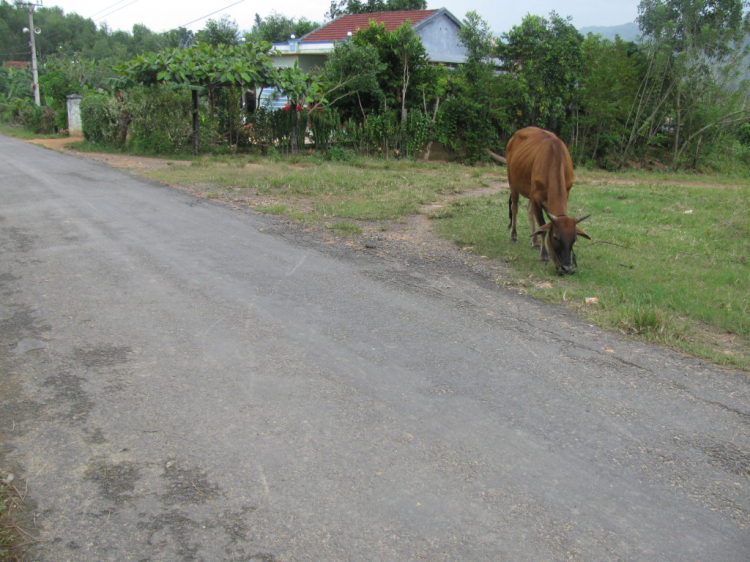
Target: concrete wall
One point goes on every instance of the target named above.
(75, 127)
(440, 40)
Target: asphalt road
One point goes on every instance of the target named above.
(183, 381)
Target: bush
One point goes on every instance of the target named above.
(338, 154)
(161, 120)
(100, 117)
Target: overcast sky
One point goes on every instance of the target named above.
(162, 15)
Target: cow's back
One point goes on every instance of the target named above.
(536, 154)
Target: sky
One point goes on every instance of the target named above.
(163, 15)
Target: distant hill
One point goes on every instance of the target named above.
(627, 31)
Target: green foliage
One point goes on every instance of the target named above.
(350, 75)
(404, 65)
(277, 28)
(609, 88)
(160, 120)
(15, 95)
(473, 115)
(658, 254)
(179, 38)
(708, 27)
(544, 56)
(338, 154)
(323, 126)
(221, 32)
(100, 117)
(477, 37)
(202, 65)
(259, 130)
(692, 88)
(370, 6)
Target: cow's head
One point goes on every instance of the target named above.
(561, 233)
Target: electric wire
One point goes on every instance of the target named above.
(212, 13)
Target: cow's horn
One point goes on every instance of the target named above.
(550, 216)
(583, 218)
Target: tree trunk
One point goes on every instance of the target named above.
(196, 120)
(295, 148)
(432, 127)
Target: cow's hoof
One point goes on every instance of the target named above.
(512, 241)
(536, 247)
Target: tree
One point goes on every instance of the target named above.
(222, 32)
(179, 38)
(691, 86)
(203, 67)
(343, 7)
(612, 73)
(277, 28)
(403, 56)
(544, 56)
(478, 39)
(352, 70)
(476, 100)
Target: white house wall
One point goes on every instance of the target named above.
(440, 40)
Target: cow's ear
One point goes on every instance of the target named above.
(543, 229)
(580, 232)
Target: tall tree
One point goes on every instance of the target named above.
(343, 7)
(477, 98)
(352, 71)
(221, 32)
(691, 87)
(612, 73)
(544, 56)
(277, 28)
(404, 58)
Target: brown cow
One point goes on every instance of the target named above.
(540, 169)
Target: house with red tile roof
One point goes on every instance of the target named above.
(437, 29)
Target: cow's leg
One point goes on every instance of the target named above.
(513, 214)
(532, 224)
(537, 215)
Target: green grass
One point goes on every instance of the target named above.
(363, 190)
(668, 263)
(22, 133)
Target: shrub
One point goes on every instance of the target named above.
(100, 117)
(161, 119)
(338, 154)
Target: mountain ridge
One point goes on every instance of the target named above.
(626, 31)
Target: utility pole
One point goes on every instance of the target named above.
(33, 31)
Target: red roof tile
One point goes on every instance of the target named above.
(337, 30)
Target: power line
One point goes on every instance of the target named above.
(113, 11)
(92, 16)
(212, 13)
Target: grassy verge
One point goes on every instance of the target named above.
(22, 133)
(318, 191)
(669, 263)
